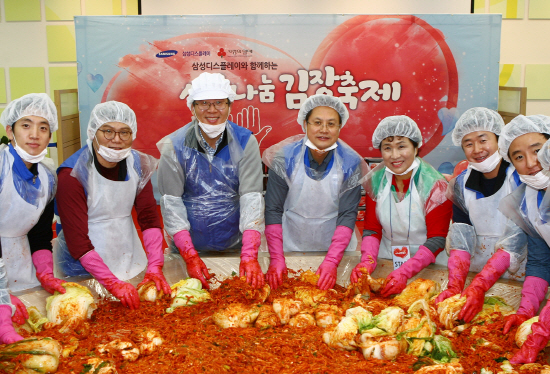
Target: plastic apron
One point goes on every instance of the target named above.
(211, 194)
(403, 222)
(110, 225)
(18, 217)
(531, 199)
(311, 209)
(488, 222)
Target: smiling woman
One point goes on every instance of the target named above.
(407, 214)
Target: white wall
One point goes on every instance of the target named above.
(303, 6)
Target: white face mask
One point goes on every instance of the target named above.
(539, 181)
(310, 145)
(212, 131)
(113, 155)
(28, 157)
(487, 165)
(413, 165)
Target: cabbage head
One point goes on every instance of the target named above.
(76, 303)
(187, 292)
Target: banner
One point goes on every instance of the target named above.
(429, 67)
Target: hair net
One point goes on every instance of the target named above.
(396, 126)
(34, 104)
(477, 119)
(519, 126)
(208, 86)
(111, 111)
(314, 101)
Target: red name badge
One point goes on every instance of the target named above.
(401, 252)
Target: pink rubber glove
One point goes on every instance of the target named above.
(536, 341)
(125, 292)
(475, 292)
(459, 264)
(328, 269)
(249, 259)
(21, 314)
(195, 266)
(277, 265)
(7, 332)
(152, 238)
(397, 280)
(533, 292)
(43, 262)
(369, 254)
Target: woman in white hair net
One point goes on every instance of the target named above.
(523, 142)
(98, 187)
(313, 191)
(479, 229)
(211, 181)
(407, 214)
(27, 190)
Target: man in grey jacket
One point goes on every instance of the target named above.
(210, 178)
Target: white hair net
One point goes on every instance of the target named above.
(544, 156)
(477, 119)
(209, 86)
(396, 126)
(111, 111)
(519, 126)
(314, 101)
(34, 104)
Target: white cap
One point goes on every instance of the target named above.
(34, 104)
(111, 111)
(396, 126)
(209, 86)
(314, 101)
(477, 119)
(519, 126)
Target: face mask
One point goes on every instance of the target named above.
(413, 165)
(27, 157)
(212, 131)
(539, 181)
(113, 155)
(488, 165)
(312, 146)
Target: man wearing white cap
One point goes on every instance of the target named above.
(27, 189)
(211, 181)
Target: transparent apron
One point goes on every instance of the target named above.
(311, 209)
(403, 223)
(110, 225)
(531, 197)
(17, 219)
(489, 224)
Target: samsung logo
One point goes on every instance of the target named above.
(166, 54)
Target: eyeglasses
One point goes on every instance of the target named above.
(110, 134)
(205, 105)
(318, 125)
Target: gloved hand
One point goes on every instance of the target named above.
(125, 292)
(195, 266)
(475, 292)
(459, 264)
(277, 265)
(21, 314)
(536, 341)
(7, 332)
(328, 268)
(152, 238)
(397, 280)
(533, 292)
(369, 254)
(249, 259)
(43, 262)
